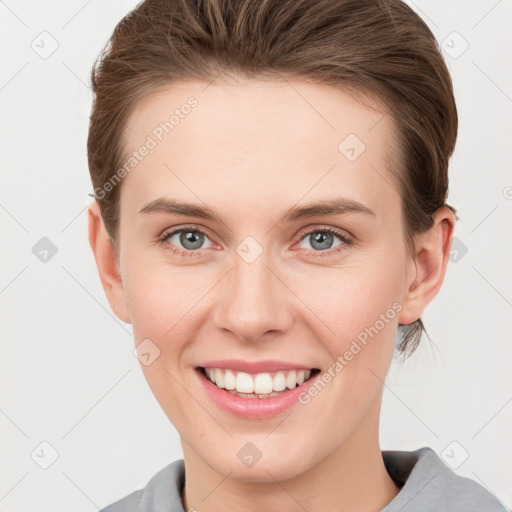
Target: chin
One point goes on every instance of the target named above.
(267, 465)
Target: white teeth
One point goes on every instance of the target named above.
(291, 379)
(219, 378)
(258, 384)
(210, 372)
(229, 380)
(263, 384)
(279, 383)
(244, 383)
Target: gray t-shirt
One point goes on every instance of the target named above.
(427, 485)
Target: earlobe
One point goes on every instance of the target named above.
(428, 268)
(108, 269)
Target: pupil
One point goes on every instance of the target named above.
(324, 238)
(191, 239)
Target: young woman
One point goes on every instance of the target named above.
(270, 215)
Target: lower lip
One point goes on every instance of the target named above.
(253, 408)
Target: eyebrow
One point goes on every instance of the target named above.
(337, 206)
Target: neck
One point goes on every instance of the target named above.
(352, 478)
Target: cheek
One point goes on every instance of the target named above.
(358, 308)
(353, 297)
(361, 310)
(164, 302)
(161, 296)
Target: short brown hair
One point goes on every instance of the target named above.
(381, 47)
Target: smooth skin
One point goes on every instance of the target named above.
(249, 151)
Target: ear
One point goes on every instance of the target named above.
(428, 267)
(106, 262)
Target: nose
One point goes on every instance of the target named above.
(254, 301)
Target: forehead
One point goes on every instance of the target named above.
(283, 139)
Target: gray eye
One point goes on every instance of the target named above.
(321, 240)
(188, 239)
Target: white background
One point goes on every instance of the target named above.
(68, 375)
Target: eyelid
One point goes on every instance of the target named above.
(171, 231)
(347, 238)
(342, 233)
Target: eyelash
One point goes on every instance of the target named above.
(343, 236)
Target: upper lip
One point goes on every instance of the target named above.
(254, 366)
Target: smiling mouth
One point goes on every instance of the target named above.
(257, 385)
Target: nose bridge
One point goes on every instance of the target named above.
(254, 302)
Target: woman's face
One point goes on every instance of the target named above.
(258, 280)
